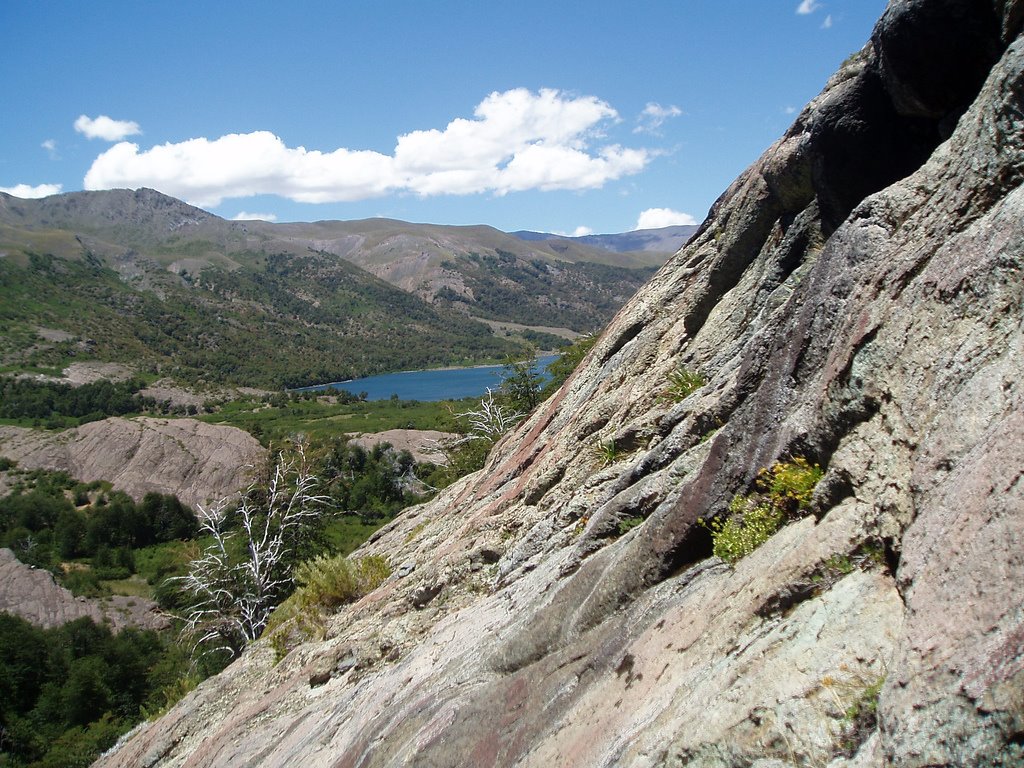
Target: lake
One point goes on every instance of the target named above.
(431, 385)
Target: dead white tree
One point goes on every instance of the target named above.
(485, 425)
(242, 574)
(490, 420)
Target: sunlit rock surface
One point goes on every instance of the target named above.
(853, 298)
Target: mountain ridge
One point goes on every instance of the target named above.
(146, 256)
(659, 240)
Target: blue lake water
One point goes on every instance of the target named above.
(431, 385)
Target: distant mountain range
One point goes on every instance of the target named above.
(140, 277)
(665, 240)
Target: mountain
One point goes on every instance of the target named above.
(483, 272)
(665, 240)
(139, 277)
(853, 302)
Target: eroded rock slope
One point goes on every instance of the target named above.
(197, 462)
(34, 595)
(854, 298)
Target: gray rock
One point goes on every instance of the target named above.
(34, 595)
(855, 298)
(197, 462)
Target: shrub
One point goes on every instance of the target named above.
(791, 482)
(736, 537)
(332, 581)
(325, 583)
(783, 489)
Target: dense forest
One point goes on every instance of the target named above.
(537, 292)
(68, 693)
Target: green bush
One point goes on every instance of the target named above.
(324, 583)
(736, 537)
(791, 482)
(782, 490)
(332, 581)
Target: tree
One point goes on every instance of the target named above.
(521, 385)
(467, 453)
(245, 570)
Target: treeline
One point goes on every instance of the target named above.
(68, 693)
(44, 527)
(56, 401)
(373, 484)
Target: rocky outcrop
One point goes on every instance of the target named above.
(423, 444)
(854, 298)
(195, 461)
(33, 595)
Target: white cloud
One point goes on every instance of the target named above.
(656, 218)
(582, 231)
(516, 140)
(808, 6)
(654, 116)
(25, 191)
(106, 128)
(246, 216)
(50, 145)
(827, 23)
(789, 110)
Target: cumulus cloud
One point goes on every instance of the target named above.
(656, 218)
(827, 23)
(807, 6)
(25, 191)
(50, 145)
(517, 140)
(246, 216)
(106, 128)
(654, 116)
(582, 231)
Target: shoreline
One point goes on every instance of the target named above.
(335, 384)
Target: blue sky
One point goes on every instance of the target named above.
(559, 117)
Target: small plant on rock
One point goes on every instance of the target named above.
(751, 524)
(682, 383)
(857, 701)
(782, 491)
(790, 483)
(606, 453)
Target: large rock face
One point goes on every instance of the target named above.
(854, 298)
(197, 462)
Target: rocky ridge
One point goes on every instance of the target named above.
(195, 461)
(853, 298)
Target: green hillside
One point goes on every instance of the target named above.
(277, 321)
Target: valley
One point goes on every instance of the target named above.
(761, 507)
(142, 279)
